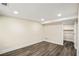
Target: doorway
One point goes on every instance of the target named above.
(70, 33)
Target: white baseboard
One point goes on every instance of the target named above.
(55, 42)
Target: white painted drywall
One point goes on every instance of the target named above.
(75, 34)
(54, 33)
(68, 27)
(78, 35)
(17, 33)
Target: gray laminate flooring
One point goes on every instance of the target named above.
(44, 49)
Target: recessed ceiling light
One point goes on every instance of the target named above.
(15, 12)
(42, 19)
(59, 15)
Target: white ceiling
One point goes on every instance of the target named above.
(37, 11)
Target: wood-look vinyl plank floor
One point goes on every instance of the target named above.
(44, 49)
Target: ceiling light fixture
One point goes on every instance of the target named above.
(59, 15)
(42, 19)
(15, 12)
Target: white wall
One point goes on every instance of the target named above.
(68, 27)
(54, 33)
(78, 35)
(17, 33)
(75, 34)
